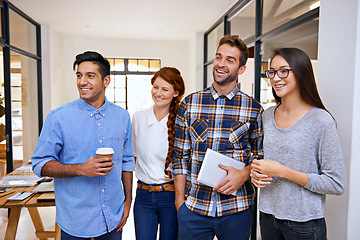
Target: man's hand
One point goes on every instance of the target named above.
(127, 179)
(97, 166)
(127, 205)
(178, 203)
(94, 166)
(234, 180)
(179, 184)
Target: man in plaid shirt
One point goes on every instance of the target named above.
(228, 121)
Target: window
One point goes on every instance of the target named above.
(20, 63)
(304, 37)
(211, 41)
(264, 26)
(131, 82)
(242, 21)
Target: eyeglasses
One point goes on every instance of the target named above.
(282, 73)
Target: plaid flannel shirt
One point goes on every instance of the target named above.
(229, 124)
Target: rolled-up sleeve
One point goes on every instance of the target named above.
(128, 164)
(256, 139)
(48, 146)
(182, 142)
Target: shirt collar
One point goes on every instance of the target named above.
(151, 118)
(92, 110)
(229, 95)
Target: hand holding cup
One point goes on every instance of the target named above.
(105, 153)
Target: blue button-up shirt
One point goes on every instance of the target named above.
(86, 206)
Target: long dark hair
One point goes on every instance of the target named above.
(300, 63)
(172, 76)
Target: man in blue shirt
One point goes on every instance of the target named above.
(90, 200)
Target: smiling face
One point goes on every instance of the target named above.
(283, 87)
(162, 93)
(90, 85)
(226, 65)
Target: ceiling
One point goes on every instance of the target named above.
(127, 19)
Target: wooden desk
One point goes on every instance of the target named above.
(32, 205)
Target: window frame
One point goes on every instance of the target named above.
(127, 72)
(255, 41)
(5, 43)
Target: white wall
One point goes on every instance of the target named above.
(338, 82)
(174, 54)
(53, 71)
(196, 69)
(353, 231)
(59, 83)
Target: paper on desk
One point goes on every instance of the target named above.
(21, 177)
(44, 187)
(19, 196)
(17, 182)
(210, 173)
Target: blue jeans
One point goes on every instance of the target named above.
(276, 229)
(193, 226)
(113, 235)
(152, 209)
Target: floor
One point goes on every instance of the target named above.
(26, 230)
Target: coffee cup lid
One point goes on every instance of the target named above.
(104, 151)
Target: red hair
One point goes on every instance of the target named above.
(172, 76)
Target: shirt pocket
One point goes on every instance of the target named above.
(238, 132)
(116, 143)
(199, 130)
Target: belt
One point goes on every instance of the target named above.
(156, 188)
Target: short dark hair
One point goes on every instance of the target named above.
(235, 41)
(96, 58)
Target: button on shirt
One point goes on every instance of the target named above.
(150, 146)
(229, 124)
(86, 206)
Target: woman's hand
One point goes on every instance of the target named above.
(268, 167)
(259, 180)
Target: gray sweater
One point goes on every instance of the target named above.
(311, 146)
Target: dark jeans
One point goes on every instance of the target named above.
(152, 209)
(275, 229)
(113, 235)
(193, 226)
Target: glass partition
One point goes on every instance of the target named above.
(2, 117)
(1, 21)
(304, 37)
(277, 12)
(243, 24)
(213, 39)
(24, 103)
(22, 33)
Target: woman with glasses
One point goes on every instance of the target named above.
(302, 156)
(153, 133)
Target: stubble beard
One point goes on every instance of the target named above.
(228, 80)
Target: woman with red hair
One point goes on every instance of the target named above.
(153, 136)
